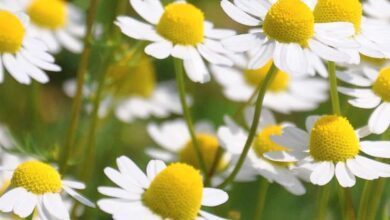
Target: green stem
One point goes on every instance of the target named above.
(348, 205)
(217, 159)
(264, 186)
(255, 122)
(333, 88)
(187, 115)
(364, 200)
(379, 186)
(322, 205)
(81, 73)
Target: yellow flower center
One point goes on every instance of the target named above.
(128, 78)
(48, 13)
(182, 23)
(11, 34)
(37, 177)
(209, 147)
(381, 85)
(333, 139)
(175, 193)
(279, 83)
(289, 21)
(327, 11)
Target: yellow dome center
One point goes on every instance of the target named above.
(182, 23)
(175, 193)
(263, 143)
(289, 21)
(11, 34)
(339, 11)
(209, 146)
(333, 139)
(381, 85)
(48, 13)
(37, 177)
(279, 83)
(127, 78)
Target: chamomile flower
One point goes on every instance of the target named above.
(165, 192)
(372, 35)
(37, 185)
(287, 32)
(58, 23)
(331, 147)
(373, 93)
(178, 30)
(133, 92)
(286, 92)
(21, 54)
(377, 9)
(233, 139)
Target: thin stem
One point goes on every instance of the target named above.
(379, 186)
(217, 159)
(333, 88)
(81, 73)
(364, 200)
(264, 186)
(187, 115)
(255, 122)
(322, 205)
(349, 210)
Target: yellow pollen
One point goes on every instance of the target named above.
(182, 23)
(327, 11)
(333, 139)
(381, 85)
(209, 147)
(289, 21)
(175, 193)
(279, 83)
(37, 177)
(127, 78)
(11, 34)
(48, 13)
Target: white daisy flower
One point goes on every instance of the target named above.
(233, 138)
(133, 92)
(38, 185)
(179, 30)
(58, 23)
(287, 32)
(21, 54)
(373, 93)
(372, 35)
(174, 138)
(377, 9)
(172, 192)
(330, 147)
(286, 92)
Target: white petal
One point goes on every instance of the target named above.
(40, 63)
(26, 205)
(136, 29)
(238, 15)
(55, 206)
(262, 56)
(154, 167)
(212, 56)
(119, 193)
(296, 59)
(322, 173)
(128, 167)
(382, 169)
(292, 137)
(181, 51)
(282, 156)
(376, 148)
(360, 170)
(365, 103)
(353, 79)
(15, 69)
(328, 53)
(73, 184)
(150, 10)
(380, 119)
(159, 50)
(214, 197)
(195, 67)
(9, 199)
(70, 43)
(241, 42)
(310, 121)
(344, 176)
(79, 197)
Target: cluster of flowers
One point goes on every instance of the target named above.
(281, 61)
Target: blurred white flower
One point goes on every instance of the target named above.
(233, 138)
(165, 192)
(38, 185)
(287, 32)
(377, 9)
(331, 147)
(372, 92)
(22, 55)
(286, 92)
(58, 23)
(178, 30)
